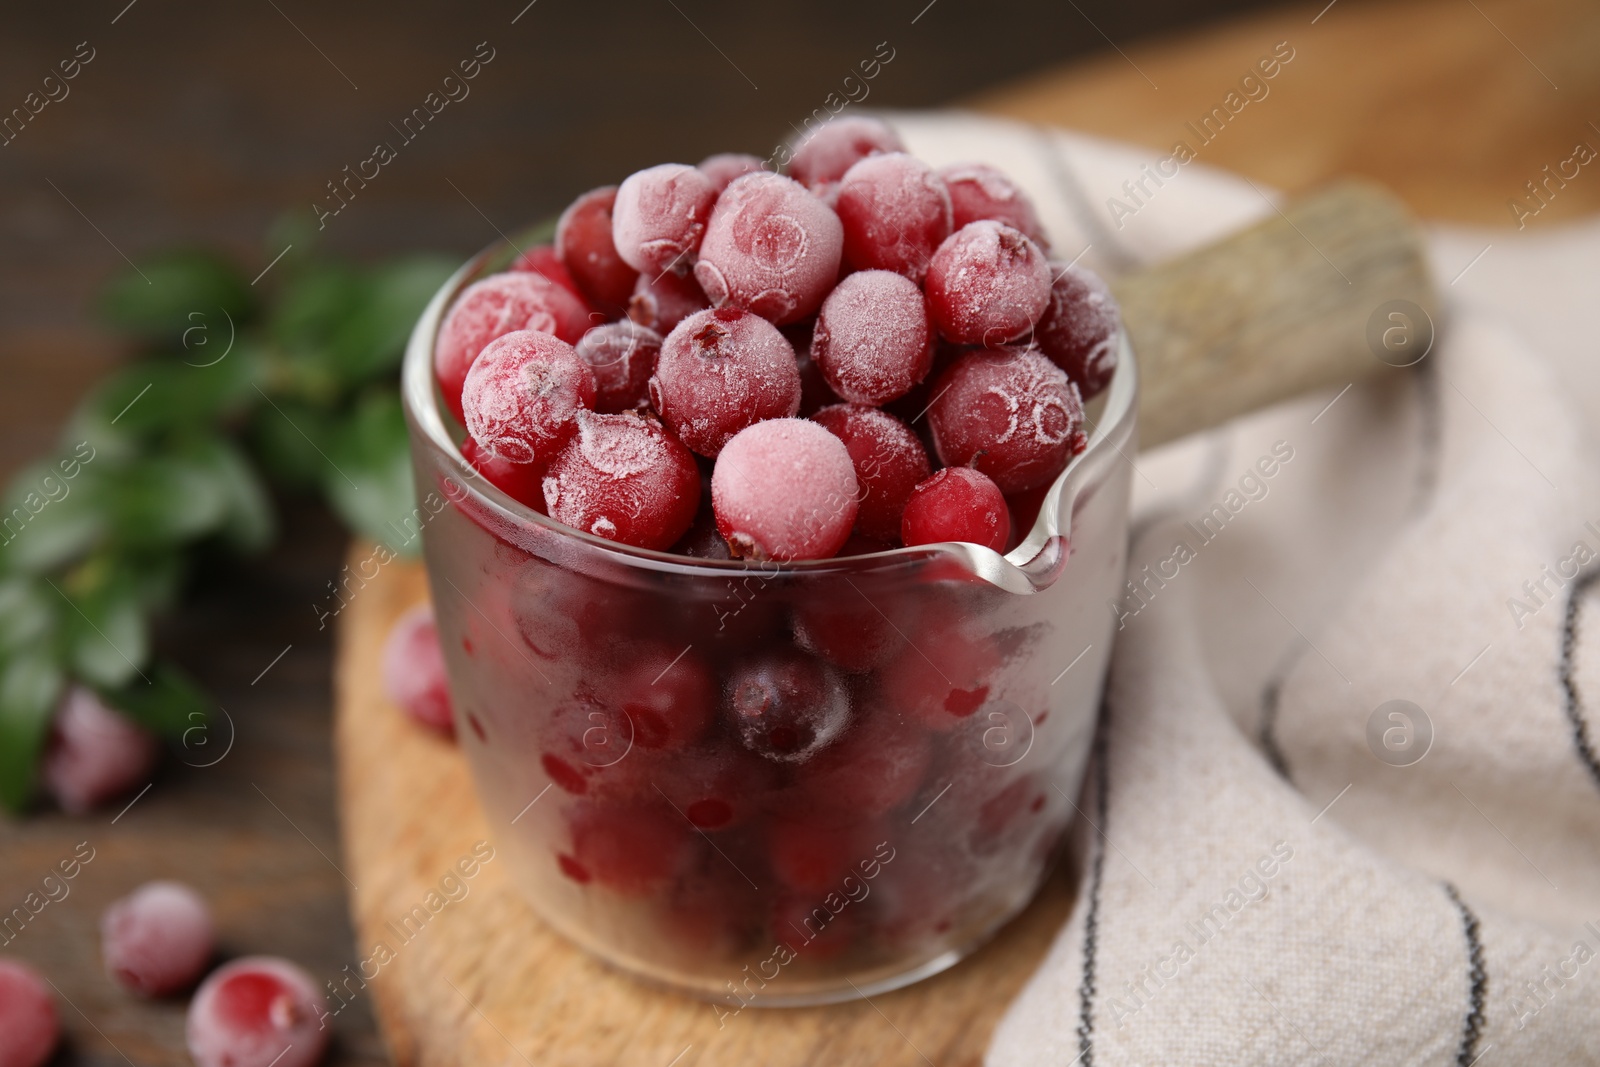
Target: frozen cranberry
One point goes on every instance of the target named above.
(491, 308)
(719, 788)
(523, 482)
(813, 933)
(523, 395)
(1079, 328)
(257, 1012)
(546, 262)
(941, 677)
(874, 339)
(29, 1026)
(660, 215)
(719, 371)
(874, 768)
(583, 240)
(895, 212)
(834, 148)
(413, 670)
(632, 849)
(786, 706)
(662, 301)
(625, 478)
(1010, 413)
(889, 461)
(784, 489)
(723, 167)
(94, 753)
(979, 191)
(957, 504)
(987, 284)
(669, 696)
(857, 633)
(771, 248)
(813, 852)
(158, 939)
(623, 356)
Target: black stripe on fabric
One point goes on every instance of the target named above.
(1091, 920)
(1430, 428)
(1115, 254)
(1569, 683)
(1268, 736)
(1478, 981)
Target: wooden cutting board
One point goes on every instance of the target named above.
(1430, 97)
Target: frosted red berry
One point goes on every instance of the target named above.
(723, 167)
(771, 248)
(957, 504)
(94, 753)
(523, 482)
(876, 767)
(824, 155)
(631, 849)
(873, 340)
(786, 706)
(668, 695)
(659, 217)
(256, 1012)
(545, 261)
(413, 670)
(1079, 329)
(720, 371)
(493, 307)
(987, 284)
(719, 787)
(1010, 413)
(979, 191)
(785, 489)
(889, 461)
(30, 1027)
(584, 242)
(942, 677)
(625, 478)
(522, 396)
(622, 356)
(895, 212)
(661, 301)
(158, 939)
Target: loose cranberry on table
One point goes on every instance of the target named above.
(889, 461)
(874, 339)
(718, 372)
(771, 247)
(584, 242)
(94, 753)
(834, 148)
(979, 191)
(895, 213)
(786, 705)
(1010, 413)
(413, 670)
(158, 939)
(957, 504)
(622, 356)
(661, 301)
(625, 478)
(659, 217)
(523, 482)
(987, 284)
(493, 307)
(1079, 328)
(30, 1029)
(785, 489)
(258, 1011)
(723, 167)
(522, 397)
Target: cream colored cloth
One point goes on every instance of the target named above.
(1257, 885)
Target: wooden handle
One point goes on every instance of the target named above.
(1277, 310)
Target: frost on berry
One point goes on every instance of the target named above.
(659, 217)
(979, 191)
(584, 242)
(771, 248)
(723, 167)
(873, 340)
(787, 706)
(30, 1029)
(1079, 329)
(158, 939)
(722, 370)
(889, 461)
(94, 753)
(895, 213)
(625, 478)
(413, 670)
(785, 489)
(1010, 413)
(833, 148)
(258, 1011)
(661, 302)
(987, 285)
(523, 394)
(622, 356)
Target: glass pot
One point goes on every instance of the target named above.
(941, 703)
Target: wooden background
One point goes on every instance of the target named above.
(191, 125)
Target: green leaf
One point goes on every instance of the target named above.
(289, 439)
(370, 483)
(30, 685)
(149, 399)
(372, 337)
(106, 637)
(249, 524)
(169, 704)
(157, 303)
(48, 519)
(28, 613)
(166, 500)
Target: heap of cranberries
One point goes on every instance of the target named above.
(689, 307)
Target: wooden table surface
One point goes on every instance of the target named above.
(190, 127)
